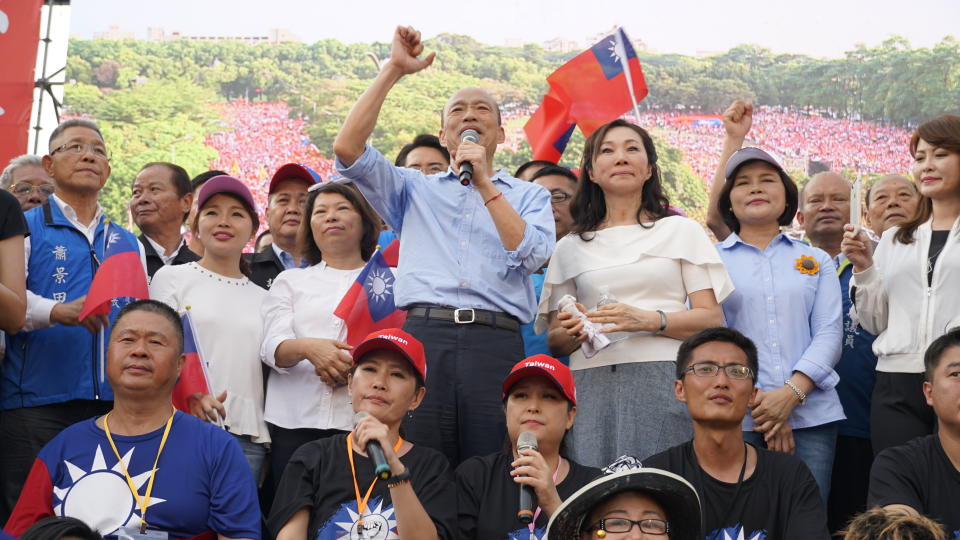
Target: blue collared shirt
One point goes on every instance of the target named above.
(793, 317)
(450, 251)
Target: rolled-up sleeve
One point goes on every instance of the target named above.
(826, 328)
(277, 315)
(383, 184)
(539, 235)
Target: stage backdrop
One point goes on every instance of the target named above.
(19, 36)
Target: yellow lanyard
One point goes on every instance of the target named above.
(142, 502)
(362, 503)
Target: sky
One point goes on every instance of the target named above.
(821, 28)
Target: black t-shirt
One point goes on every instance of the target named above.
(11, 217)
(938, 239)
(920, 475)
(488, 498)
(780, 501)
(318, 477)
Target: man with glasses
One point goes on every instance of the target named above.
(745, 491)
(26, 179)
(53, 374)
(424, 154)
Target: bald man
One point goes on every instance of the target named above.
(824, 210)
(890, 201)
(466, 255)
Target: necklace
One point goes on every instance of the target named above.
(736, 492)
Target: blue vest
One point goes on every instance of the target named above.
(857, 367)
(59, 363)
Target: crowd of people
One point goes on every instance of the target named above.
(577, 360)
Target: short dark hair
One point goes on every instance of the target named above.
(57, 527)
(369, 218)
(533, 163)
(789, 187)
(178, 175)
(73, 122)
(423, 140)
(722, 335)
(202, 178)
(933, 354)
(154, 306)
(556, 170)
(589, 206)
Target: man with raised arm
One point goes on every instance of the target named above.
(466, 255)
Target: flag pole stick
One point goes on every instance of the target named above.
(621, 50)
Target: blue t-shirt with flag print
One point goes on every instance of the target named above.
(203, 485)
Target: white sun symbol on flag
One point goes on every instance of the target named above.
(114, 237)
(378, 524)
(380, 283)
(614, 50)
(100, 497)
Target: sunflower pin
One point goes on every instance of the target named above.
(807, 265)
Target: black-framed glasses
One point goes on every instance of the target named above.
(557, 197)
(709, 369)
(624, 525)
(23, 188)
(78, 148)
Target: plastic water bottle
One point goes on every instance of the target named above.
(607, 297)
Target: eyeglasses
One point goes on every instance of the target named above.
(624, 525)
(557, 197)
(81, 148)
(23, 188)
(709, 369)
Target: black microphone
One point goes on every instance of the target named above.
(375, 451)
(528, 499)
(466, 168)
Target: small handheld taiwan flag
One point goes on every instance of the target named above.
(369, 304)
(193, 377)
(120, 275)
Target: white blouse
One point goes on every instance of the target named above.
(300, 304)
(226, 315)
(648, 267)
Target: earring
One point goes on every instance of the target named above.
(601, 533)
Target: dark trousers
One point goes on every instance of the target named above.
(898, 410)
(851, 479)
(283, 443)
(462, 412)
(24, 431)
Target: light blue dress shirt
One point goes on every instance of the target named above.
(793, 318)
(450, 251)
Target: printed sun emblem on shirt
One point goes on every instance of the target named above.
(380, 284)
(525, 534)
(379, 523)
(807, 265)
(100, 496)
(736, 533)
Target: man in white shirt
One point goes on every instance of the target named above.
(160, 203)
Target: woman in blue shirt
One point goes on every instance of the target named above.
(786, 299)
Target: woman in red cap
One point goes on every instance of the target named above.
(331, 487)
(539, 398)
(224, 306)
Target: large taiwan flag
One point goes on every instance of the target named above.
(595, 87)
(369, 304)
(194, 377)
(120, 275)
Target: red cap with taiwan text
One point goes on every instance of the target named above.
(394, 339)
(544, 366)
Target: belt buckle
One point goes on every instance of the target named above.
(456, 316)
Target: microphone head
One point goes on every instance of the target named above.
(527, 440)
(471, 135)
(359, 415)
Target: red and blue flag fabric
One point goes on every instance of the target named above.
(391, 253)
(369, 304)
(194, 377)
(595, 87)
(120, 275)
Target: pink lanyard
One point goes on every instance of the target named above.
(536, 514)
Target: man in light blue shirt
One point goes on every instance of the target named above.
(466, 252)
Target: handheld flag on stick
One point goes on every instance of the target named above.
(193, 377)
(369, 304)
(595, 87)
(120, 275)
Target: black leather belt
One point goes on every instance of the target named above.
(466, 316)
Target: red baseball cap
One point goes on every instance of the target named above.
(394, 339)
(545, 366)
(294, 171)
